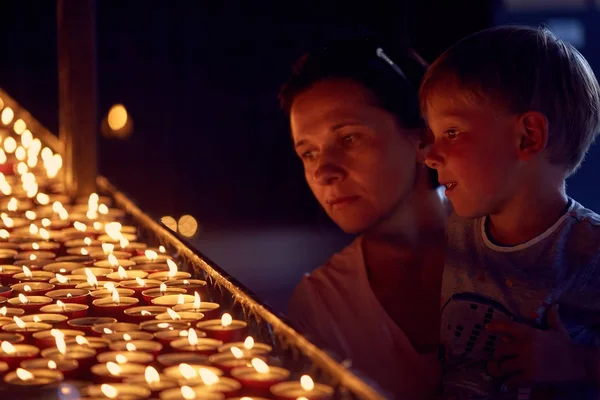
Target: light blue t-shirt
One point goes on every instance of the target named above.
(484, 282)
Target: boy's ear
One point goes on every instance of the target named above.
(533, 134)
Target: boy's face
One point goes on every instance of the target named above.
(475, 151)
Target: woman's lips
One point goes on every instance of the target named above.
(342, 201)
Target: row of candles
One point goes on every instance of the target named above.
(82, 298)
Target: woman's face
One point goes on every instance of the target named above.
(359, 163)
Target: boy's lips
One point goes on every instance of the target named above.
(449, 186)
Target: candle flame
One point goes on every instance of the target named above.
(63, 214)
(60, 344)
(187, 371)
(196, 301)
(172, 268)
(186, 282)
(60, 304)
(36, 318)
(56, 333)
(107, 331)
(103, 209)
(180, 299)
(183, 333)
(33, 257)
(80, 226)
(30, 215)
(24, 375)
(145, 313)
(110, 286)
(126, 337)
(35, 246)
(44, 234)
(162, 249)
(208, 377)
(97, 225)
(84, 252)
(260, 366)
(122, 273)
(249, 343)
(188, 393)
(192, 337)
(23, 299)
(12, 204)
(112, 260)
(61, 278)
(108, 248)
(52, 364)
(226, 320)
(121, 359)
(27, 271)
(140, 281)
(130, 347)
(27, 288)
(93, 200)
(164, 325)
(87, 241)
(123, 242)
(109, 391)
(46, 222)
(81, 340)
(237, 352)
(307, 383)
(113, 229)
(42, 198)
(91, 278)
(115, 296)
(113, 368)
(151, 255)
(69, 295)
(151, 375)
(173, 314)
(33, 229)
(3, 311)
(4, 234)
(163, 288)
(8, 348)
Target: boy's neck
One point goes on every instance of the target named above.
(527, 215)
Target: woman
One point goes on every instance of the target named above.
(356, 127)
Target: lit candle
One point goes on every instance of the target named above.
(151, 268)
(29, 303)
(144, 313)
(14, 354)
(64, 268)
(210, 310)
(34, 265)
(115, 327)
(33, 377)
(305, 388)
(11, 312)
(128, 336)
(248, 346)
(33, 288)
(108, 292)
(117, 390)
(67, 367)
(87, 323)
(79, 243)
(45, 339)
(139, 285)
(226, 329)
(189, 393)
(102, 255)
(171, 360)
(56, 320)
(166, 337)
(67, 281)
(190, 285)
(113, 306)
(96, 343)
(124, 275)
(7, 272)
(207, 379)
(235, 358)
(33, 276)
(172, 274)
(113, 263)
(7, 256)
(12, 338)
(150, 256)
(172, 315)
(96, 271)
(83, 354)
(192, 342)
(79, 296)
(137, 345)
(172, 299)
(124, 357)
(260, 377)
(35, 255)
(52, 247)
(25, 328)
(69, 310)
(162, 291)
(152, 380)
(183, 370)
(157, 326)
(113, 372)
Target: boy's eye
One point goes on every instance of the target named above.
(451, 133)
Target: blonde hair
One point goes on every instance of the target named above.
(525, 69)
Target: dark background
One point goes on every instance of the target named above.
(200, 81)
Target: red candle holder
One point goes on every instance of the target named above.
(38, 378)
(125, 263)
(13, 355)
(34, 265)
(247, 346)
(204, 346)
(170, 276)
(5, 293)
(51, 247)
(67, 281)
(82, 354)
(104, 293)
(45, 339)
(145, 346)
(86, 323)
(140, 285)
(152, 296)
(121, 390)
(171, 300)
(99, 254)
(113, 372)
(166, 337)
(191, 286)
(226, 332)
(155, 387)
(227, 386)
(79, 243)
(56, 320)
(67, 367)
(32, 288)
(122, 357)
(143, 313)
(210, 310)
(107, 329)
(157, 326)
(12, 338)
(187, 392)
(31, 304)
(159, 259)
(34, 276)
(63, 268)
(111, 308)
(182, 366)
(78, 296)
(69, 310)
(34, 255)
(259, 383)
(228, 361)
(7, 256)
(97, 343)
(96, 271)
(7, 272)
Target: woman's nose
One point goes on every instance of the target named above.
(329, 170)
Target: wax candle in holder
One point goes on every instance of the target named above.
(135, 248)
(124, 357)
(11, 311)
(99, 254)
(7, 272)
(248, 346)
(67, 367)
(113, 262)
(52, 247)
(113, 372)
(87, 323)
(79, 296)
(151, 268)
(35, 255)
(171, 300)
(113, 306)
(234, 358)
(139, 285)
(305, 388)
(84, 355)
(127, 336)
(115, 327)
(166, 337)
(184, 370)
(12, 338)
(152, 380)
(187, 392)
(163, 291)
(117, 390)
(96, 271)
(144, 313)
(171, 274)
(7, 256)
(64, 268)
(67, 281)
(5, 293)
(150, 256)
(32, 288)
(108, 292)
(226, 329)
(123, 275)
(97, 343)
(209, 309)
(25, 328)
(30, 304)
(69, 310)
(146, 346)
(34, 265)
(33, 276)
(56, 320)
(79, 243)
(157, 326)
(192, 342)
(207, 379)
(190, 285)
(33, 377)
(14, 354)
(45, 339)
(259, 378)
(172, 315)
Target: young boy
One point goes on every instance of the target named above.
(513, 111)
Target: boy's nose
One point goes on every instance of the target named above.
(434, 158)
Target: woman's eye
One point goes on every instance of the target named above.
(451, 133)
(348, 139)
(307, 155)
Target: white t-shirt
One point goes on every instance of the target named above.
(335, 308)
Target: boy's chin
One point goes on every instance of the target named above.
(467, 211)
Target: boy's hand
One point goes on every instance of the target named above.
(529, 355)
